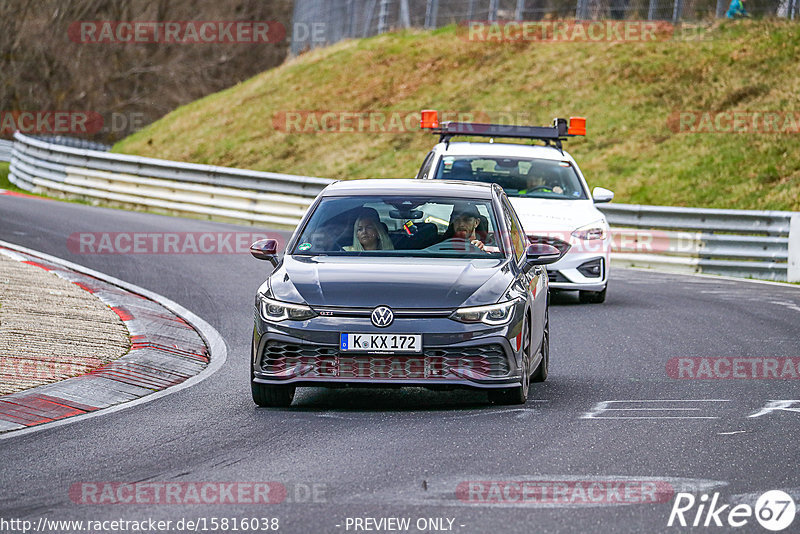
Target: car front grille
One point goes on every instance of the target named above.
(315, 361)
(556, 276)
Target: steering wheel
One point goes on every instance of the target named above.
(454, 244)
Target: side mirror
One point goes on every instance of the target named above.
(541, 254)
(601, 195)
(265, 249)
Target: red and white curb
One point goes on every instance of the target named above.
(6, 192)
(171, 349)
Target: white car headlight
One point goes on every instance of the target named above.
(591, 231)
(493, 314)
(275, 310)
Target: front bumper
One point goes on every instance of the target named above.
(565, 274)
(307, 354)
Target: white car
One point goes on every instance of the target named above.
(545, 187)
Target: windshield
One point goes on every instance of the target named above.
(519, 177)
(401, 226)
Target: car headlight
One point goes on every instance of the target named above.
(275, 310)
(592, 231)
(493, 314)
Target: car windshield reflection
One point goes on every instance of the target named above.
(401, 226)
(519, 177)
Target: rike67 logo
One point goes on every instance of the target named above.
(774, 510)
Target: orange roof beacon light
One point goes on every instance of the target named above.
(553, 135)
(430, 119)
(577, 126)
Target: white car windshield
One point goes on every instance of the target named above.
(401, 226)
(519, 177)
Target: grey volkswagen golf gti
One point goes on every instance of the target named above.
(391, 283)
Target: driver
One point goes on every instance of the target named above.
(464, 222)
(538, 183)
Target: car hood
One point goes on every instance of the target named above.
(544, 215)
(394, 282)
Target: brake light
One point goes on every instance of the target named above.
(430, 119)
(577, 126)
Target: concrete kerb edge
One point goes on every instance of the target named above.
(217, 348)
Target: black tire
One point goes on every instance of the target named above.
(517, 394)
(540, 375)
(272, 396)
(593, 297)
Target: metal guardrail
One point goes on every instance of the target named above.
(74, 142)
(741, 243)
(757, 244)
(5, 150)
(207, 191)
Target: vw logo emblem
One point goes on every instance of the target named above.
(382, 316)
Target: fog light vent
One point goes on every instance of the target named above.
(592, 268)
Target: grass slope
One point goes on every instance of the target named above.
(627, 91)
(5, 183)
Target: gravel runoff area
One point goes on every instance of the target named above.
(52, 329)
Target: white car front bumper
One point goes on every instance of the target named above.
(565, 273)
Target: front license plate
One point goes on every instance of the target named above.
(382, 343)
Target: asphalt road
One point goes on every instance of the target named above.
(404, 453)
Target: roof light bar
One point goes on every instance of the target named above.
(559, 131)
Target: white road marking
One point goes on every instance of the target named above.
(600, 408)
(777, 405)
(786, 304)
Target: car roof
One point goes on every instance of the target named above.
(505, 149)
(446, 188)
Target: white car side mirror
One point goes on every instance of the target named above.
(601, 195)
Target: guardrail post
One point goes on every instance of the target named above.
(582, 10)
(651, 10)
(493, 10)
(721, 7)
(383, 15)
(431, 14)
(405, 14)
(793, 274)
(677, 11)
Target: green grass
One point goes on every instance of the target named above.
(4, 183)
(627, 92)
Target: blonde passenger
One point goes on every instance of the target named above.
(370, 234)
